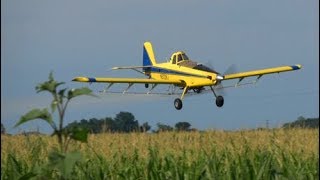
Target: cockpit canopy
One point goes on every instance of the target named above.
(181, 59)
(178, 57)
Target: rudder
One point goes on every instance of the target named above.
(148, 55)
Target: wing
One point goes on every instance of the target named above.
(261, 72)
(126, 80)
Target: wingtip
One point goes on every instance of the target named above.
(81, 79)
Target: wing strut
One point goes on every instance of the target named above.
(130, 84)
(237, 84)
(108, 87)
(153, 86)
(171, 89)
(254, 82)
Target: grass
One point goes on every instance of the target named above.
(247, 154)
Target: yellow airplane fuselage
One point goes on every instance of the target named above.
(175, 72)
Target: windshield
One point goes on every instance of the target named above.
(204, 68)
(179, 58)
(185, 57)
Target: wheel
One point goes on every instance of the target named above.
(178, 104)
(219, 101)
(146, 85)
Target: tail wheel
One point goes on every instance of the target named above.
(178, 104)
(219, 101)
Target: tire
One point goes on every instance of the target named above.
(219, 101)
(178, 104)
(146, 85)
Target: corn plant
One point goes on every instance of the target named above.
(268, 154)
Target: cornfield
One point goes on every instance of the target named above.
(246, 154)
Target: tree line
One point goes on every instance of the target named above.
(124, 122)
(302, 122)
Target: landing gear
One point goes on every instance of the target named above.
(146, 85)
(219, 99)
(178, 103)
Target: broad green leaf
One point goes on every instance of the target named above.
(61, 94)
(36, 114)
(28, 175)
(70, 161)
(50, 85)
(78, 92)
(55, 158)
(64, 162)
(79, 134)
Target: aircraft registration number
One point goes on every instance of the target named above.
(163, 76)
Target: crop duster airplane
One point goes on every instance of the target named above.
(181, 72)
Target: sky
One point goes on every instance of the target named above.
(87, 38)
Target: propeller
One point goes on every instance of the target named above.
(231, 69)
(219, 88)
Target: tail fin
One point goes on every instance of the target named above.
(148, 55)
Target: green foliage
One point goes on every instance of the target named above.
(50, 86)
(64, 163)
(37, 114)
(236, 159)
(164, 127)
(78, 92)
(61, 162)
(145, 127)
(179, 126)
(182, 126)
(78, 133)
(301, 122)
(124, 122)
(58, 103)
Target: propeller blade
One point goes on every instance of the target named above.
(219, 88)
(231, 69)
